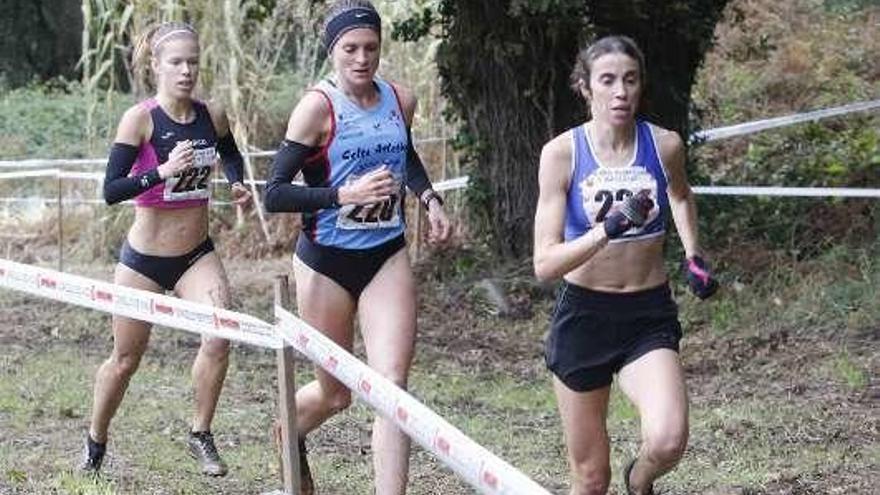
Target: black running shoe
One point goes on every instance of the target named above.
(93, 456)
(202, 449)
(626, 472)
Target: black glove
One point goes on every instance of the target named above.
(632, 213)
(699, 278)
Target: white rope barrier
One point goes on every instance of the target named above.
(462, 182)
(480, 468)
(806, 192)
(80, 201)
(93, 162)
(765, 124)
(52, 162)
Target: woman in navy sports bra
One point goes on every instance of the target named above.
(349, 135)
(163, 156)
(606, 189)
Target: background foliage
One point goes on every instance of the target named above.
(482, 68)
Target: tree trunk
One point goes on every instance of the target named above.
(507, 77)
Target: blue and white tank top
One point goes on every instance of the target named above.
(361, 141)
(595, 188)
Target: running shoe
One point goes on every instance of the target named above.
(202, 448)
(93, 456)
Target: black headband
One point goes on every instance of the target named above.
(348, 20)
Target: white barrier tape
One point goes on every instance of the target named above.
(480, 468)
(92, 176)
(98, 177)
(813, 192)
(809, 192)
(451, 184)
(764, 124)
(138, 304)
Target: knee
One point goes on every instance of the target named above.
(124, 365)
(589, 479)
(215, 349)
(666, 448)
(337, 399)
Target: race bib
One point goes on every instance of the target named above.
(194, 182)
(382, 215)
(608, 187)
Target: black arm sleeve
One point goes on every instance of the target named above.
(233, 162)
(118, 186)
(281, 195)
(416, 177)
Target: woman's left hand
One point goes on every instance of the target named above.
(440, 225)
(241, 196)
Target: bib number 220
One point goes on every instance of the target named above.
(374, 213)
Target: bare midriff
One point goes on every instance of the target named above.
(623, 267)
(168, 232)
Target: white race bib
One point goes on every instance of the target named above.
(194, 182)
(382, 215)
(609, 186)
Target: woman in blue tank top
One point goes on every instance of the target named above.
(606, 188)
(349, 135)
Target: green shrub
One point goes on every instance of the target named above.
(49, 121)
(779, 58)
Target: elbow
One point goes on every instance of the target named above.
(543, 272)
(110, 198)
(543, 276)
(270, 201)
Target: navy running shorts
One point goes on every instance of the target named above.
(164, 270)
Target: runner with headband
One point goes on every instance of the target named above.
(350, 137)
(163, 156)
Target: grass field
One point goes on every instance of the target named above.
(782, 403)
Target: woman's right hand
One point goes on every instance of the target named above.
(372, 187)
(180, 159)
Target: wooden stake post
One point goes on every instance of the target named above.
(287, 401)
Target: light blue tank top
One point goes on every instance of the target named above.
(595, 189)
(362, 140)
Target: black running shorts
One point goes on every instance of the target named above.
(595, 334)
(353, 269)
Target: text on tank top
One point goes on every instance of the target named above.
(362, 141)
